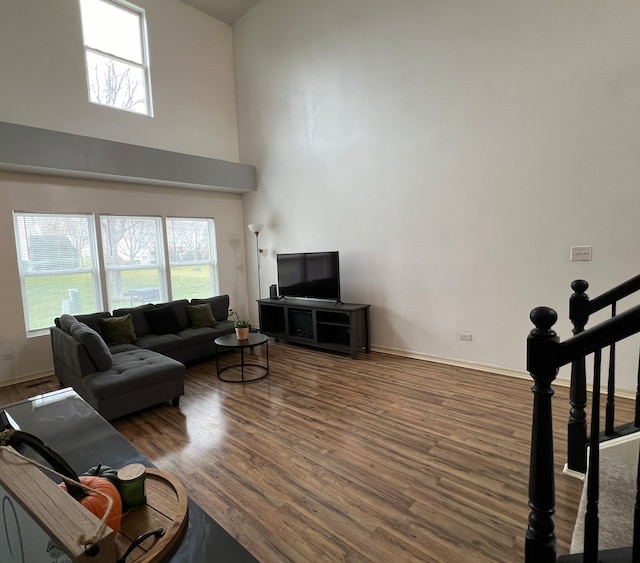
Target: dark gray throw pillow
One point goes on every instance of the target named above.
(163, 320)
(96, 347)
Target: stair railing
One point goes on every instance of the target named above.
(545, 355)
(581, 307)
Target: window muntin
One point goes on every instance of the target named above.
(116, 55)
(60, 267)
(192, 257)
(57, 266)
(132, 248)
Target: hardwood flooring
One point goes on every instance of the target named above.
(383, 458)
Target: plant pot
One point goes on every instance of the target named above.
(242, 333)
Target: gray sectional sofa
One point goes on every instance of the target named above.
(133, 358)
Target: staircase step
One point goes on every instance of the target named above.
(622, 555)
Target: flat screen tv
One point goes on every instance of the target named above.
(315, 275)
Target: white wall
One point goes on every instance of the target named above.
(452, 152)
(42, 84)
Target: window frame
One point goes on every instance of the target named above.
(160, 265)
(101, 267)
(211, 263)
(24, 274)
(144, 66)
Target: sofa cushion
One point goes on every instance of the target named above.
(66, 322)
(161, 343)
(94, 344)
(118, 330)
(219, 306)
(135, 369)
(92, 320)
(201, 316)
(162, 320)
(122, 347)
(179, 307)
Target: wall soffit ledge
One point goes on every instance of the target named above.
(42, 151)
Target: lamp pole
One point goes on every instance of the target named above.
(255, 228)
(258, 261)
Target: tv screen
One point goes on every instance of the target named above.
(309, 274)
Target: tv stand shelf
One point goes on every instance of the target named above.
(340, 327)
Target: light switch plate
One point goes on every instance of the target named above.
(580, 253)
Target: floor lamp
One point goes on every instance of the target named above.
(255, 228)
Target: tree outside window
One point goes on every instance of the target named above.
(116, 55)
(134, 260)
(192, 257)
(61, 270)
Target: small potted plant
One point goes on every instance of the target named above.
(242, 327)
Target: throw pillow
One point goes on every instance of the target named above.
(163, 320)
(66, 322)
(118, 330)
(201, 316)
(96, 347)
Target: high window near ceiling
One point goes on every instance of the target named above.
(116, 55)
(143, 260)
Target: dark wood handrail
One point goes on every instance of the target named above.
(615, 294)
(599, 336)
(545, 355)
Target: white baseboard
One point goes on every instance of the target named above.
(27, 378)
(489, 368)
(500, 370)
(572, 473)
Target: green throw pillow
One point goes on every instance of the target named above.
(118, 330)
(201, 316)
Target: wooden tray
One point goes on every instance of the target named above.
(166, 507)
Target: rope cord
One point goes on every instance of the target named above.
(83, 540)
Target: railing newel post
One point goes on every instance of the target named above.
(542, 352)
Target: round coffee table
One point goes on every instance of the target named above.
(232, 341)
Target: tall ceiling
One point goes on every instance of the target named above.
(227, 11)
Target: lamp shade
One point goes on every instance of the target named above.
(256, 227)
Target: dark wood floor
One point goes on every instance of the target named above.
(380, 459)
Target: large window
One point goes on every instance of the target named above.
(115, 47)
(192, 258)
(61, 270)
(134, 260)
(57, 265)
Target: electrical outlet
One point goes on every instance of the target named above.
(580, 253)
(465, 336)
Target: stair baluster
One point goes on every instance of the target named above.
(591, 520)
(577, 426)
(610, 414)
(636, 421)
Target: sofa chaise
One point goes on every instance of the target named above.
(134, 358)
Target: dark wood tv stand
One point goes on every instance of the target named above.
(340, 327)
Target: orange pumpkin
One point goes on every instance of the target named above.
(97, 504)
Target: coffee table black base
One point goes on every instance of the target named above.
(242, 367)
(230, 341)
